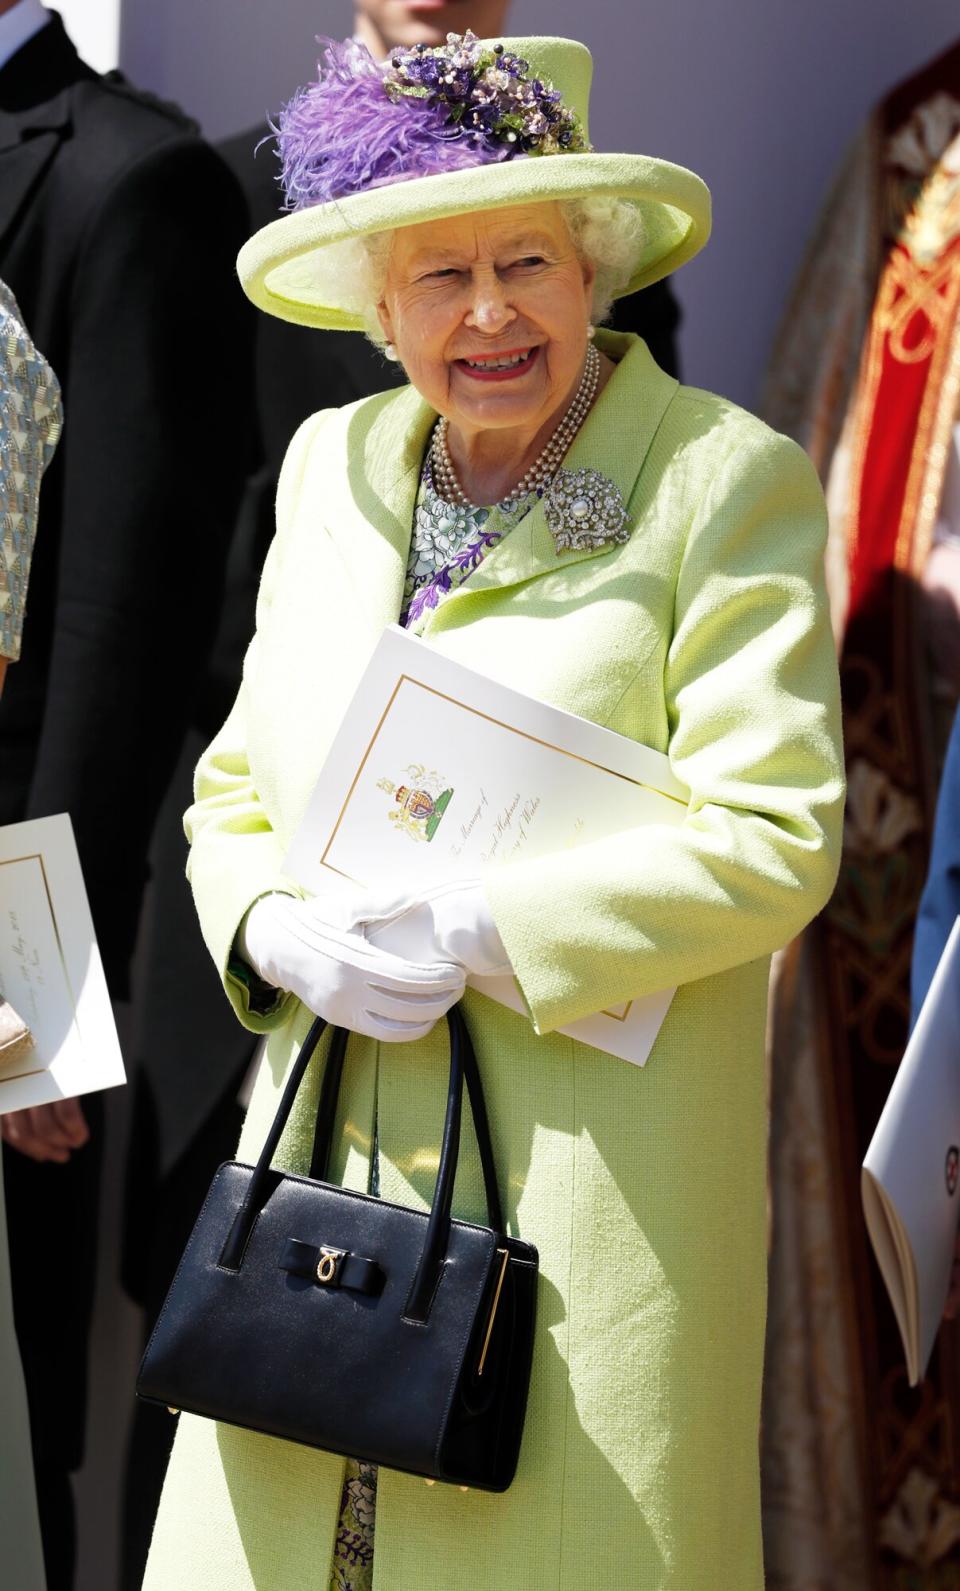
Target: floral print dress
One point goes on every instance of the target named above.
(449, 542)
(30, 417)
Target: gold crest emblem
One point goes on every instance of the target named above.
(419, 806)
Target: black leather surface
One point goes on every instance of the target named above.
(250, 1334)
(324, 1366)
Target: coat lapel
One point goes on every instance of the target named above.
(373, 521)
(35, 113)
(23, 161)
(614, 440)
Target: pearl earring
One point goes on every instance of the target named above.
(591, 331)
(390, 352)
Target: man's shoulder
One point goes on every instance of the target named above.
(130, 160)
(116, 126)
(104, 126)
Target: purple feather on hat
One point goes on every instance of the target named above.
(345, 133)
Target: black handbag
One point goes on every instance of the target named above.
(335, 1319)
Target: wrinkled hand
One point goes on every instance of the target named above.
(449, 921)
(302, 946)
(46, 1132)
(941, 583)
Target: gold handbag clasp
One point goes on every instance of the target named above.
(327, 1266)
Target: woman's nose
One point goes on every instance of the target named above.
(490, 310)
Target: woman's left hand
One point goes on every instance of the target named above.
(446, 922)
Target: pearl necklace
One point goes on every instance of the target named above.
(545, 465)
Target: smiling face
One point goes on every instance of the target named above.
(488, 313)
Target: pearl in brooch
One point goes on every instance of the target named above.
(585, 510)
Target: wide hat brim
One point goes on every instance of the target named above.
(277, 266)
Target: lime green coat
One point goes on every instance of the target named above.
(705, 636)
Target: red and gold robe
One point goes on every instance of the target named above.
(861, 1473)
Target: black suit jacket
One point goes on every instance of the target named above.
(118, 234)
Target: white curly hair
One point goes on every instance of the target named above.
(607, 233)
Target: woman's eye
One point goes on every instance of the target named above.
(530, 259)
(443, 274)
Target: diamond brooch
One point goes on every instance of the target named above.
(584, 510)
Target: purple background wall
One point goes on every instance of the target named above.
(759, 96)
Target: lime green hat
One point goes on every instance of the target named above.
(471, 125)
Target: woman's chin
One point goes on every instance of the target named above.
(495, 404)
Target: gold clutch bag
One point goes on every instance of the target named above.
(16, 1040)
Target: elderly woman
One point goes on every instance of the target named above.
(450, 204)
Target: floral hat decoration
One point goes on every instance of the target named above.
(470, 125)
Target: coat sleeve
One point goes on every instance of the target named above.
(235, 854)
(940, 902)
(752, 698)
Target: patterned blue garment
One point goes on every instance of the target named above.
(30, 419)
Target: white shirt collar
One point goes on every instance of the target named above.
(18, 25)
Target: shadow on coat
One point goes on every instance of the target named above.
(259, 1509)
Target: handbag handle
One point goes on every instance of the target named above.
(463, 1064)
(330, 1090)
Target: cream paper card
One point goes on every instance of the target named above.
(438, 772)
(910, 1182)
(50, 969)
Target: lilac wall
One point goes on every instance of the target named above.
(759, 96)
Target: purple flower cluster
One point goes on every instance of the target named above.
(489, 96)
(428, 111)
(352, 1547)
(462, 563)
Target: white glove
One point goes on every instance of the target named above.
(445, 922)
(292, 944)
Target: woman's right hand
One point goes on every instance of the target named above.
(299, 946)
